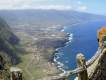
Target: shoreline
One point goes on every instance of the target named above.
(59, 65)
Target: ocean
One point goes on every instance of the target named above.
(82, 39)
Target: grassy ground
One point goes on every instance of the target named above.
(30, 71)
(34, 66)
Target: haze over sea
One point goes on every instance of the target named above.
(83, 39)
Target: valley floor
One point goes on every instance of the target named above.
(37, 62)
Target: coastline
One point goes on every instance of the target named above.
(47, 48)
(59, 65)
(56, 67)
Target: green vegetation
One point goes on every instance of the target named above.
(8, 49)
(38, 35)
(30, 71)
(35, 61)
(8, 42)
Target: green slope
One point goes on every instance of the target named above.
(8, 43)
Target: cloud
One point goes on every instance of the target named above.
(42, 7)
(31, 4)
(42, 4)
(82, 8)
(56, 7)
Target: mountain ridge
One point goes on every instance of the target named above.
(47, 16)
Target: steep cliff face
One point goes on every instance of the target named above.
(8, 42)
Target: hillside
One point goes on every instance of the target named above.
(8, 42)
(39, 33)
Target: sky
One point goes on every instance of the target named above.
(90, 6)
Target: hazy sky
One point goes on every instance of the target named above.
(91, 6)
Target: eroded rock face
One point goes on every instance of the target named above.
(100, 73)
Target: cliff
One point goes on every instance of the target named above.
(8, 43)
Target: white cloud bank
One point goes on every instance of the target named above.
(38, 4)
(82, 8)
(55, 7)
